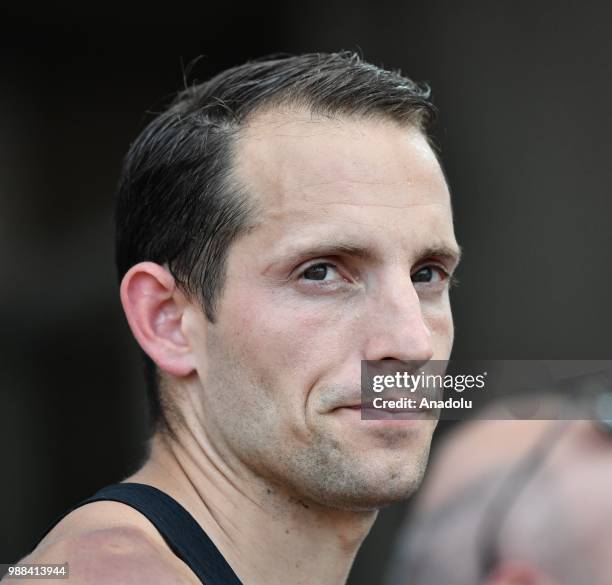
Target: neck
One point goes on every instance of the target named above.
(288, 540)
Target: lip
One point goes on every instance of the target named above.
(372, 413)
(369, 405)
(393, 410)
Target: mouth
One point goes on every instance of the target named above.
(368, 411)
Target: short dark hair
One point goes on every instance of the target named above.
(177, 203)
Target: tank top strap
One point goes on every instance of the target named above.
(177, 526)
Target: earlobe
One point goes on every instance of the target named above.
(155, 307)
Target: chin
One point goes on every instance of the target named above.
(370, 500)
(333, 474)
(377, 501)
(368, 491)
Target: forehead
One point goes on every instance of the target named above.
(313, 175)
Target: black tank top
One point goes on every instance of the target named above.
(179, 529)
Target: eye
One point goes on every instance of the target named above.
(429, 274)
(319, 272)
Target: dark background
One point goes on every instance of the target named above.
(524, 91)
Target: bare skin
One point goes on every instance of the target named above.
(349, 260)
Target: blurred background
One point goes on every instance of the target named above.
(524, 92)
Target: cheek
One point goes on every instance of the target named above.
(439, 320)
(282, 340)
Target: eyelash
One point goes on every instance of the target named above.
(314, 265)
(445, 275)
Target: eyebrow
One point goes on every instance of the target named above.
(332, 248)
(450, 254)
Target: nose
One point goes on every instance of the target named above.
(397, 329)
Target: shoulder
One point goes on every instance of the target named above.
(114, 555)
(111, 554)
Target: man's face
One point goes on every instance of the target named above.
(348, 262)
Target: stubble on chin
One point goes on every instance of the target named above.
(327, 473)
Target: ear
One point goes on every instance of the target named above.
(514, 573)
(155, 309)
